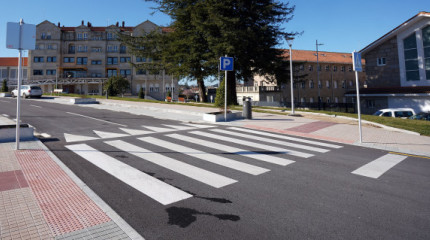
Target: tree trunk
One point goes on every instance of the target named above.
(231, 88)
(202, 90)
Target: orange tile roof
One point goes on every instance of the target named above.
(324, 57)
(97, 29)
(12, 61)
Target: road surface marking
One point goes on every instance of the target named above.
(253, 144)
(228, 149)
(233, 164)
(204, 176)
(101, 120)
(286, 137)
(110, 134)
(199, 125)
(410, 155)
(179, 127)
(35, 106)
(77, 138)
(4, 101)
(269, 140)
(135, 131)
(45, 135)
(150, 186)
(5, 115)
(377, 167)
(159, 129)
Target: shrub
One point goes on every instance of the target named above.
(141, 94)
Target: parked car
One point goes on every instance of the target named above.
(395, 112)
(421, 116)
(28, 91)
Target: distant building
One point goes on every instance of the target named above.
(9, 70)
(80, 59)
(398, 67)
(336, 77)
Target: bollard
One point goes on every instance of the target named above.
(247, 108)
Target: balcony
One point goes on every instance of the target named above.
(256, 89)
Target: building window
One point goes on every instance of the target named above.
(327, 84)
(112, 48)
(125, 59)
(51, 46)
(51, 59)
(327, 68)
(69, 60)
(311, 84)
(140, 59)
(426, 45)
(71, 48)
(319, 68)
(112, 60)
(37, 72)
(351, 84)
(109, 36)
(342, 68)
(125, 72)
(122, 49)
(140, 72)
(303, 84)
(82, 48)
(411, 58)
(301, 67)
(370, 103)
(336, 99)
(81, 60)
(96, 75)
(335, 84)
(328, 100)
(343, 84)
(380, 61)
(112, 72)
(51, 72)
(85, 36)
(334, 68)
(79, 36)
(310, 68)
(319, 84)
(349, 69)
(38, 59)
(96, 62)
(311, 100)
(43, 36)
(13, 73)
(96, 49)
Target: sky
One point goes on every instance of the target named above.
(340, 25)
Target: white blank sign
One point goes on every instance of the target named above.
(28, 37)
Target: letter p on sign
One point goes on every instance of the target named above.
(226, 64)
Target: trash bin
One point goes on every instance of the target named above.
(247, 108)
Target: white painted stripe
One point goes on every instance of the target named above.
(100, 120)
(5, 115)
(150, 186)
(135, 131)
(229, 149)
(269, 140)
(179, 127)
(77, 138)
(204, 176)
(253, 144)
(45, 135)
(35, 106)
(103, 134)
(286, 137)
(199, 125)
(233, 164)
(379, 166)
(159, 129)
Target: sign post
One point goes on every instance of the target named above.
(226, 64)
(356, 63)
(22, 37)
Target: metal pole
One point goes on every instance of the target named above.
(318, 78)
(225, 98)
(358, 106)
(292, 81)
(18, 99)
(172, 89)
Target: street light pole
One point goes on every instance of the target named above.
(318, 75)
(290, 43)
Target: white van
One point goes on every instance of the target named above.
(395, 112)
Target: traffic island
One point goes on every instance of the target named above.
(219, 116)
(84, 101)
(8, 133)
(5, 95)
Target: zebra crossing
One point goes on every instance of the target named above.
(234, 142)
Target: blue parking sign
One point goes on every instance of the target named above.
(356, 62)
(226, 64)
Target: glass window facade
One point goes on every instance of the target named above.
(411, 58)
(426, 45)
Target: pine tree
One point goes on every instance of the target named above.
(4, 87)
(141, 94)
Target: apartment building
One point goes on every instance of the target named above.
(9, 70)
(336, 77)
(80, 59)
(398, 67)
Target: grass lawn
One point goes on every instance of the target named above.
(419, 126)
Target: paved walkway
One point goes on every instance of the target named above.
(41, 199)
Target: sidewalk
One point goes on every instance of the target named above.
(40, 198)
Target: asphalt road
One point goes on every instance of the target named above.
(310, 195)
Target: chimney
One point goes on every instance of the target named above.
(123, 23)
(82, 23)
(88, 24)
(58, 24)
(117, 24)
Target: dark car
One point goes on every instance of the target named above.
(422, 116)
